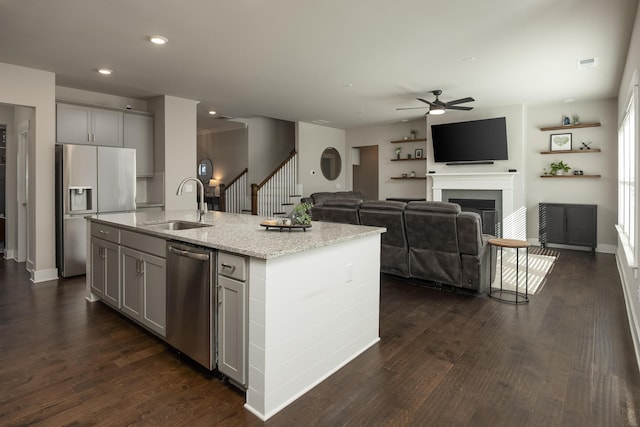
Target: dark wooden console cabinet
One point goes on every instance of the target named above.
(568, 224)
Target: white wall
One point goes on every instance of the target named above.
(380, 136)
(599, 191)
(269, 142)
(97, 98)
(179, 119)
(228, 152)
(311, 140)
(35, 88)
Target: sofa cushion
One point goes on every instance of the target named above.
(321, 197)
(440, 207)
(383, 205)
(343, 203)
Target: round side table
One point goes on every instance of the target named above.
(507, 295)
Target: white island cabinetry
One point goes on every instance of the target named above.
(294, 307)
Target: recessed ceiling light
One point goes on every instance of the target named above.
(469, 59)
(347, 85)
(211, 112)
(105, 71)
(158, 39)
(404, 120)
(568, 100)
(320, 121)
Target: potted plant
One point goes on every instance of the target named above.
(301, 214)
(559, 168)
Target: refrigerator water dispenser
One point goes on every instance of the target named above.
(80, 199)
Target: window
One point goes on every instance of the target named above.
(627, 179)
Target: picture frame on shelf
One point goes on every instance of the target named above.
(419, 153)
(560, 142)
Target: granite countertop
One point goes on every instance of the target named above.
(239, 233)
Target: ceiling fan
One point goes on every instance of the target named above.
(439, 107)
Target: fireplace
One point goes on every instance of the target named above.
(496, 186)
(491, 222)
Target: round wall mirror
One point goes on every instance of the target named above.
(330, 163)
(205, 171)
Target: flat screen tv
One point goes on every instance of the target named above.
(470, 142)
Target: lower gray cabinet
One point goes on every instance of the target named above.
(232, 317)
(144, 281)
(568, 224)
(105, 271)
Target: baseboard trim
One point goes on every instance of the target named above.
(602, 248)
(38, 276)
(632, 317)
(10, 254)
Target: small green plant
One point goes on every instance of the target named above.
(559, 166)
(301, 214)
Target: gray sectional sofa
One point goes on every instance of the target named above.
(432, 241)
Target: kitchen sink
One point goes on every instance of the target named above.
(177, 225)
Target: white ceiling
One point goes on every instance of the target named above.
(349, 62)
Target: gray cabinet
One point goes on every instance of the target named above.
(105, 261)
(143, 280)
(106, 270)
(79, 124)
(568, 224)
(232, 317)
(138, 134)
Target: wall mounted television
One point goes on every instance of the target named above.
(472, 142)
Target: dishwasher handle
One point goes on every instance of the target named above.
(189, 254)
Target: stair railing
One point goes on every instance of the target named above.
(268, 197)
(233, 196)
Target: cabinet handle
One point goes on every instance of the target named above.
(104, 232)
(232, 267)
(89, 137)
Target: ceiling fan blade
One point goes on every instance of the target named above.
(453, 107)
(425, 101)
(460, 101)
(410, 108)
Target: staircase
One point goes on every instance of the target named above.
(278, 194)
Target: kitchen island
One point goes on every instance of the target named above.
(312, 297)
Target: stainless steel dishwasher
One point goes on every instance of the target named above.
(190, 301)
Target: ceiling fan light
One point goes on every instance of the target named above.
(436, 111)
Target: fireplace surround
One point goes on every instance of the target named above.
(502, 182)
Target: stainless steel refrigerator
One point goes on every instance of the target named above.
(89, 180)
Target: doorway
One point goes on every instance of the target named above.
(365, 172)
(22, 182)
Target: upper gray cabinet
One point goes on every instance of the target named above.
(79, 124)
(138, 134)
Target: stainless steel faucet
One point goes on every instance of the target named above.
(203, 205)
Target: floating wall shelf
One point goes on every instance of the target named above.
(570, 176)
(581, 125)
(408, 140)
(591, 150)
(401, 160)
(408, 177)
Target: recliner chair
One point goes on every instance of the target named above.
(433, 243)
(394, 249)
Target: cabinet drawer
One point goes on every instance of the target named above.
(105, 232)
(144, 243)
(231, 265)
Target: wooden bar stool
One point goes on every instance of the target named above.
(507, 295)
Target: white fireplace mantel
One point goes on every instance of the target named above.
(504, 181)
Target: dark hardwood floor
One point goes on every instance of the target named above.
(565, 359)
